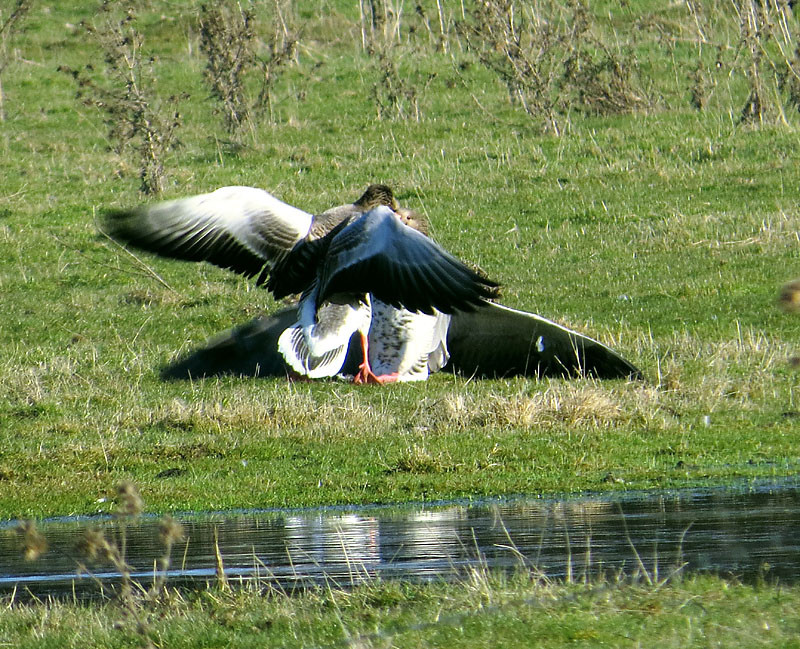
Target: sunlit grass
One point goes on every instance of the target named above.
(665, 233)
(488, 609)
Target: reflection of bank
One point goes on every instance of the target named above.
(334, 546)
(350, 547)
(422, 544)
(554, 538)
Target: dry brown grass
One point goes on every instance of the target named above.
(560, 403)
(277, 410)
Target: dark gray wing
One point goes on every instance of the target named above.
(248, 350)
(376, 253)
(491, 341)
(495, 340)
(244, 229)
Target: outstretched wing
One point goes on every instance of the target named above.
(376, 253)
(244, 229)
(250, 349)
(496, 340)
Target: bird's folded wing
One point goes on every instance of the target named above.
(244, 229)
(378, 254)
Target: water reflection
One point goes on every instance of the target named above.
(749, 534)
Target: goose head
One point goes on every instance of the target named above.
(376, 195)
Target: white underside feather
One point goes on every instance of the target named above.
(316, 346)
(405, 343)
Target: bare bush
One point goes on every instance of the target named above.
(770, 48)
(10, 26)
(124, 92)
(396, 94)
(235, 53)
(524, 51)
(764, 50)
(551, 60)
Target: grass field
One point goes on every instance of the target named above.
(488, 610)
(657, 219)
(665, 232)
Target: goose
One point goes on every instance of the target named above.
(401, 345)
(494, 340)
(340, 262)
(407, 345)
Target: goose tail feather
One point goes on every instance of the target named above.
(293, 346)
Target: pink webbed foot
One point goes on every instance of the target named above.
(366, 375)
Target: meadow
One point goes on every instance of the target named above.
(634, 178)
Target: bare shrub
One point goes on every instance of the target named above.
(766, 53)
(123, 90)
(603, 81)
(440, 33)
(10, 26)
(396, 94)
(235, 53)
(551, 60)
(526, 53)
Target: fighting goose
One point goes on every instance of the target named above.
(492, 341)
(339, 261)
(407, 345)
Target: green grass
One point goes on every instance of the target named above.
(488, 610)
(665, 233)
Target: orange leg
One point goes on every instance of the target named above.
(365, 374)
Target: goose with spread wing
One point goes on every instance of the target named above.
(340, 261)
(492, 341)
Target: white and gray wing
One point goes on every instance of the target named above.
(376, 253)
(245, 229)
(317, 344)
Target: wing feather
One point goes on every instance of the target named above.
(376, 253)
(240, 228)
(496, 340)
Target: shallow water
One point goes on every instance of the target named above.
(749, 532)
